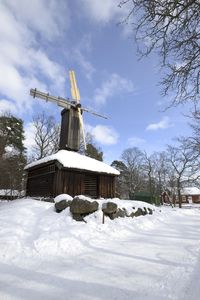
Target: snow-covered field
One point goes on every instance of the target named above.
(45, 255)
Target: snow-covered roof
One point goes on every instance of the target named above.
(9, 192)
(74, 160)
(190, 191)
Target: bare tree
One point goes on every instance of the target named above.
(47, 133)
(89, 139)
(172, 29)
(162, 170)
(133, 160)
(150, 163)
(185, 164)
(194, 139)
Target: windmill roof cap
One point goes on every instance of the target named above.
(74, 160)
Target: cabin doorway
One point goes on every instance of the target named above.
(91, 186)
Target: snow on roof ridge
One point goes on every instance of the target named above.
(191, 190)
(74, 160)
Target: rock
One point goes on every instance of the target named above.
(139, 212)
(79, 217)
(83, 207)
(132, 215)
(60, 206)
(61, 197)
(109, 208)
(150, 211)
(120, 213)
(145, 212)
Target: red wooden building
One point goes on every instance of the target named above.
(190, 195)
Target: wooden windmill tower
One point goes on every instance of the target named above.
(72, 126)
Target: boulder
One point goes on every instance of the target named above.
(150, 211)
(83, 207)
(139, 212)
(132, 215)
(61, 197)
(78, 217)
(145, 212)
(60, 206)
(109, 208)
(120, 213)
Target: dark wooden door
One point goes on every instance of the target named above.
(91, 186)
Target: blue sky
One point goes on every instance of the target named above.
(42, 40)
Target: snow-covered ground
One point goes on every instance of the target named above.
(45, 255)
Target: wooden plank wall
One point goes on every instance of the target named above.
(91, 182)
(40, 181)
(41, 185)
(106, 186)
(196, 198)
(49, 181)
(69, 182)
(64, 132)
(70, 129)
(73, 183)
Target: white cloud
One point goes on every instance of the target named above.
(85, 64)
(135, 141)
(78, 54)
(103, 11)
(104, 135)
(114, 85)
(163, 124)
(100, 11)
(7, 106)
(23, 61)
(47, 17)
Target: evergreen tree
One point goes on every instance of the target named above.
(94, 152)
(12, 153)
(121, 183)
(11, 134)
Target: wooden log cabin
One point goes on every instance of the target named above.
(71, 173)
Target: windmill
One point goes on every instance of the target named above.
(72, 121)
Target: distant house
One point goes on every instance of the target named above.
(71, 173)
(190, 195)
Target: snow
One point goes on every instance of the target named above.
(9, 192)
(63, 197)
(74, 160)
(190, 191)
(45, 255)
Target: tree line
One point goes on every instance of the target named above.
(169, 170)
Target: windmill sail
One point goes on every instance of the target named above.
(74, 89)
(72, 120)
(76, 96)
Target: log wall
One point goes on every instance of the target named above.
(106, 186)
(40, 181)
(50, 181)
